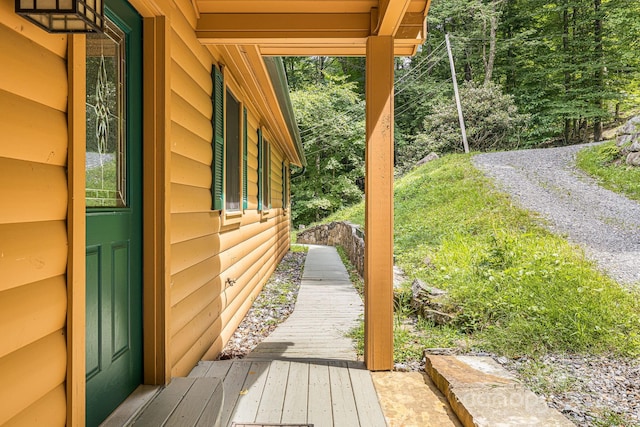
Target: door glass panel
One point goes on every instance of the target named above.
(106, 178)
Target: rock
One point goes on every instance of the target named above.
(629, 133)
(437, 317)
(398, 277)
(421, 291)
(431, 303)
(632, 126)
(401, 367)
(623, 140)
(429, 158)
(633, 159)
(635, 147)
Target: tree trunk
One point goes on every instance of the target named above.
(468, 70)
(492, 44)
(599, 74)
(567, 74)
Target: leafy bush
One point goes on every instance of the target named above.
(491, 119)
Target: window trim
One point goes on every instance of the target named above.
(227, 212)
(224, 83)
(285, 187)
(245, 160)
(264, 177)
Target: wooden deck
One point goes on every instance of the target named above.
(305, 372)
(322, 393)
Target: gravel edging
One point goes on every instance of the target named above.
(604, 223)
(271, 307)
(591, 391)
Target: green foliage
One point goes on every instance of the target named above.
(104, 176)
(568, 65)
(605, 163)
(331, 120)
(354, 276)
(298, 248)
(610, 418)
(522, 290)
(491, 120)
(546, 379)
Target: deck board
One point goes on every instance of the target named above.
(369, 410)
(165, 403)
(342, 399)
(194, 402)
(232, 386)
(320, 408)
(247, 405)
(213, 410)
(305, 372)
(296, 396)
(272, 403)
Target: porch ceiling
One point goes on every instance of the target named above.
(312, 27)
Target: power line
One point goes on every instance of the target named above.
(408, 105)
(401, 79)
(397, 84)
(421, 74)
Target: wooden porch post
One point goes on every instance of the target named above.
(378, 288)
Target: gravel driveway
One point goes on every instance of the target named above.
(546, 181)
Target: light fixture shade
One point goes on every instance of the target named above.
(64, 16)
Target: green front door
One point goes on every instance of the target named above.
(114, 211)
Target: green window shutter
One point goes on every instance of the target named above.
(245, 146)
(217, 165)
(260, 154)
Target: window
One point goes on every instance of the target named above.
(232, 154)
(245, 163)
(285, 186)
(264, 173)
(225, 167)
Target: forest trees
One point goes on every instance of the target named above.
(568, 63)
(532, 71)
(330, 115)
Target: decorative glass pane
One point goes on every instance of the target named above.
(106, 136)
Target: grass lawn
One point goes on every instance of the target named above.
(603, 163)
(519, 289)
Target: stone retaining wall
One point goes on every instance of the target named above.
(339, 233)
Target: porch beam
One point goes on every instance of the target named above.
(391, 14)
(252, 28)
(408, 49)
(378, 289)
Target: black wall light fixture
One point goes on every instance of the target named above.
(64, 16)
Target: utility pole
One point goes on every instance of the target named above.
(457, 95)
